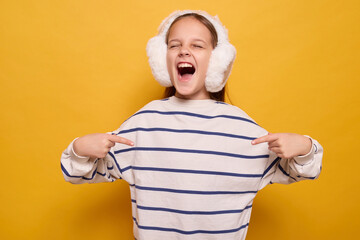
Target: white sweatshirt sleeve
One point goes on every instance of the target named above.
(117, 164)
(292, 170)
(78, 169)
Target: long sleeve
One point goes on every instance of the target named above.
(77, 169)
(299, 168)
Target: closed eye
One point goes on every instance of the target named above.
(173, 46)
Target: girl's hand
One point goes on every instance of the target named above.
(97, 145)
(286, 145)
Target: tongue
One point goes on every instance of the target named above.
(186, 76)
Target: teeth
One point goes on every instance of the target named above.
(182, 65)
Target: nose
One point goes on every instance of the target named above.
(184, 51)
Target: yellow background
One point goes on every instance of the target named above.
(70, 68)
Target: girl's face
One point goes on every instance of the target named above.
(188, 54)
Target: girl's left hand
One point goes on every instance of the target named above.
(286, 145)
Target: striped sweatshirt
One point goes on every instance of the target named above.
(193, 172)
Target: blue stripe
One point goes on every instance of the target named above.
(117, 164)
(190, 191)
(191, 212)
(219, 102)
(285, 173)
(195, 115)
(271, 165)
(190, 151)
(194, 171)
(127, 168)
(189, 232)
(312, 178)
(67, 173)
(102, 174)
(92, 176)
(73, 176)
(185, 131)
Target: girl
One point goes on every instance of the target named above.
(194, 163)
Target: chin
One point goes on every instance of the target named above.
(191, 93)
(184, 92)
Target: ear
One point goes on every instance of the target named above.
(219, 68)
(228, 71)
(156, 49)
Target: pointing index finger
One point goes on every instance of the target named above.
(118, 139)
(267, 138)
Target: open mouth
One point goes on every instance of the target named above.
(185, 70)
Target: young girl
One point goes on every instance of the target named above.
(194, 163)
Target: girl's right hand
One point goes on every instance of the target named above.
(97, 145)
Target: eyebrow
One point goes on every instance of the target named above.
(195, 39)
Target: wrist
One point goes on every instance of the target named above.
(307, 145)
(76, 149)
(74, 154)
(308, 157)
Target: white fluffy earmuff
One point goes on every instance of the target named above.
(220, 63)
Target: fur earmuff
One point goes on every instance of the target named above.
(220, 63)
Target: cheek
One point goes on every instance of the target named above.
(170, 57)
(205, 61)
(168, 61)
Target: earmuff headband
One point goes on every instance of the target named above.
(220, 63)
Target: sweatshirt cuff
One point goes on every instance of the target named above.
(75, 156)
(307, 158)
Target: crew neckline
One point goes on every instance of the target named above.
(190, 103)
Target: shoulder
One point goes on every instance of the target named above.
(245, 120)
(233, 110)
(138, 116)
(155, 104)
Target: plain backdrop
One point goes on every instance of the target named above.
(70, 68)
